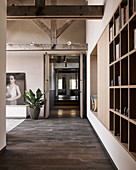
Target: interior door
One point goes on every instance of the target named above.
(46, 85)
(81, 85)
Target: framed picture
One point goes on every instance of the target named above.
(15, 87)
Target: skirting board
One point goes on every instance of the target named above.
(104, 148)
(119, 155)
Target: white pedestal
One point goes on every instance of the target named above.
(18, 111)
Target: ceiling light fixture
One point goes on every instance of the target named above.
(69, 43)
(32, 43)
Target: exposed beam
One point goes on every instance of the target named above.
(47, 47)
(64, 27)
(53, 27)
(53, 2)
(42, 26)
(55, 12)
(53, 32)
(39, 2)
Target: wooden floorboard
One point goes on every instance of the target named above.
(54, 144)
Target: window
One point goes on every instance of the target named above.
(73, 84)
(59, 83)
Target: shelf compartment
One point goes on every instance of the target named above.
(132, 138)
(117, 100)
(124, 12)
(132, 9)
(124, 131)
(111, 98)
(117, 21)
(133, 103)
(124, 71)
(112, 82)
(117, 47)
(124, 41)
(112, 122)
(117, 126)
(133, 69)
(111, 32)
(124, 102)
(117, 74)
(132, 34)
(112, 58)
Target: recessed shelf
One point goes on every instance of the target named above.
(124, 12)
(124, 71)
(112, 81)
(132, 34)
(131, 8)
(124, 102)
(112, 58)
(124, 131)
(117, 47)
(117, 22)
(132, 147)
(117, 127)
(117, 100)
(112, 122)
(111, 98)
(117, 74)
(124, 41)
(133, 69)
(132, 103)
(111, 33)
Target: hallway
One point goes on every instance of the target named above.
(57, 143)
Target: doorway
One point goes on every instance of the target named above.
(66, 83)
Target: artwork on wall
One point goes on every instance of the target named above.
(15, 87)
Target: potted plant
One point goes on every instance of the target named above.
(35, 102)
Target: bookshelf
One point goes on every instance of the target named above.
(122, 75)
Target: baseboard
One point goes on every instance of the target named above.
(113, 164)
(3, 150)
(16, 117)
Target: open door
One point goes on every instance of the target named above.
(81, 85)
(46, 85)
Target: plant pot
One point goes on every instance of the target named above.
(34, 113)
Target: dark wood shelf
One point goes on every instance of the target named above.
(122, 73)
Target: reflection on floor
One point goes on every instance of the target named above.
(65, 107)
(12, 123)
(64, 97)
(65, 113)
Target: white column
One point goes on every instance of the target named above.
(3, 7)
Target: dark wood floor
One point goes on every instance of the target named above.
(55, 143)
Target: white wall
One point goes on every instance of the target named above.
(94, 30)
(30, 63)
(2, 73)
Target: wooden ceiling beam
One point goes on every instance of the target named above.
(53, 27)
(64, 27)
(53, 32)
(47, 47)
(71, 12)
(42, 26)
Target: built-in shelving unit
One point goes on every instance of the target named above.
(122, 75)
